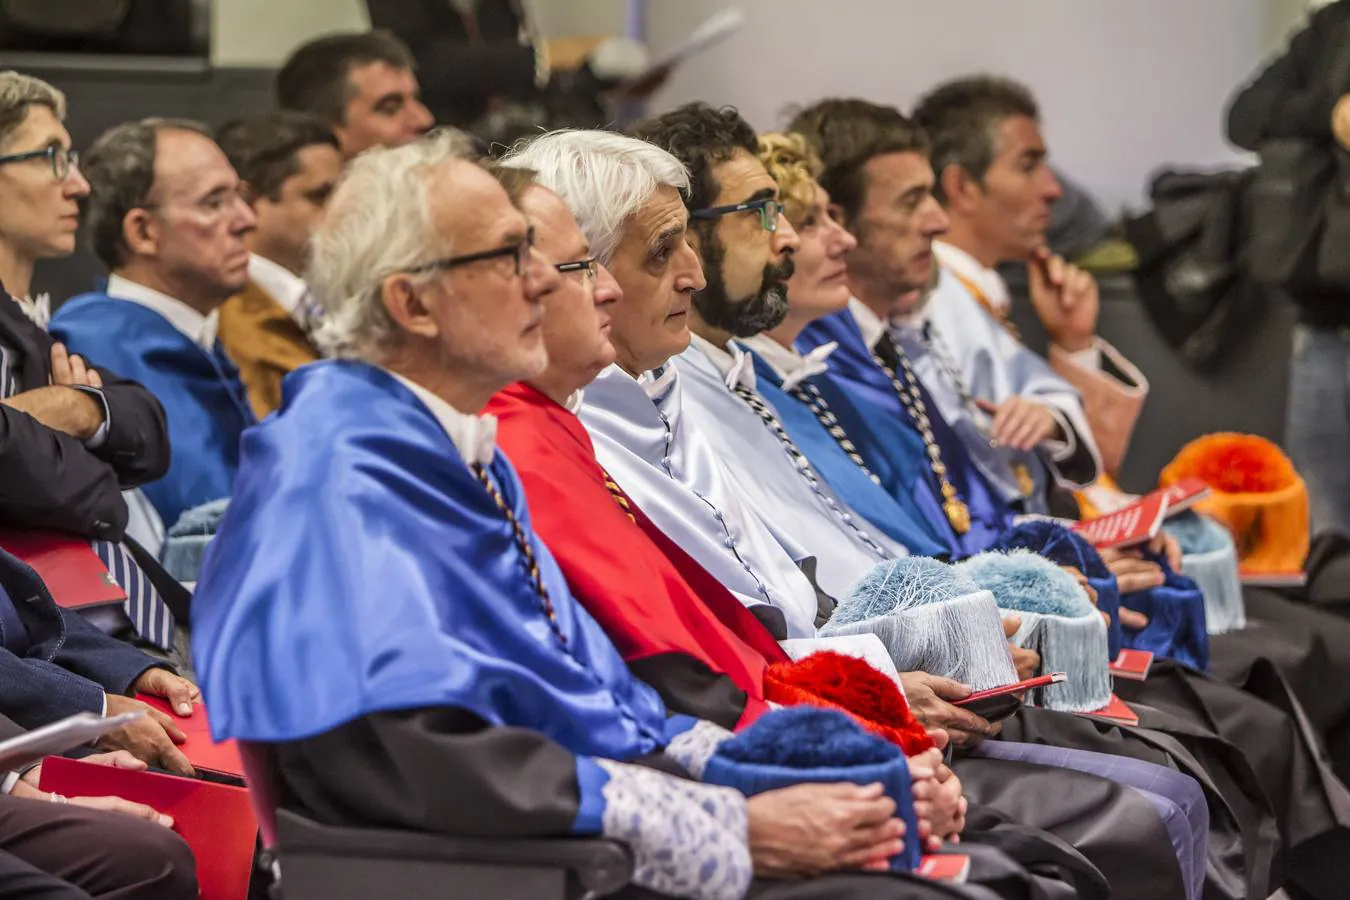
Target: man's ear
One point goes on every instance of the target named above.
(959, 187)
(140, 231)
(406, 302)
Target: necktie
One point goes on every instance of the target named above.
(148, 612)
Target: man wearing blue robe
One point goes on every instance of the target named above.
(377, 617)
(168, 221)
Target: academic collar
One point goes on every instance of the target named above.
(199, 329)
(790, 365)
(37, 309)
(573, 404)
(281, 284)
(732, 363)
(987, 281)
(475, 437)
(869, 323)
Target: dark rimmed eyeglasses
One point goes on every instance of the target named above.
(61, 159)
(519, 249)
(585, 266)
(768, 208)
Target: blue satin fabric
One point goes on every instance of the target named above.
(886, 431)
(362, 567)
(204, 400)
(900, 517)
(1176, 619)
(1064, 548)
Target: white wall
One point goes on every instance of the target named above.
(1124, 85)
(264, 32)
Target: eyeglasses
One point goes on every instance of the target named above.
(520, 250)
(586, 266)
(61, 159)
(769, 210)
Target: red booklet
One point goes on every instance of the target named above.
(68, 565)
(1115, 711)
(1184, 494)
(953, 867)
(215, 819)
(1132, 665)
(1137, 523)
(204, 753)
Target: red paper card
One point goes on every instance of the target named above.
(1184, 494)
(200, 749)
(70, 568)
(1115, 711)
(215, 819)
(1132, 665)
(1134, 524)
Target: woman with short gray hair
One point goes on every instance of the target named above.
(40, 184)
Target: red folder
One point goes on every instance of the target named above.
(1134, 524)
(70, 568)
(215, 819)
(204, 753)
(1184, 494)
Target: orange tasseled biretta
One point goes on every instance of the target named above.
(1257, 494)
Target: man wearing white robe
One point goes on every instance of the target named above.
(990, 162)
(634, 409)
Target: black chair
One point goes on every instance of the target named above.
(322, 863)
(309, 861)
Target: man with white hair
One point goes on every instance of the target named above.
(626, 195)
(377, 615)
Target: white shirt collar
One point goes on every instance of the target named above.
(199, 329)
(869, 323)
(573, 404)
(989, 282)
(475, 437)
(734, 364)
(281, 284)
(792, 366)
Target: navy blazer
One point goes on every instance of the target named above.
(67, 664)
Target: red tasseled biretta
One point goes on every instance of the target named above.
(835, 681)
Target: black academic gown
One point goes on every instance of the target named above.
(447, 771)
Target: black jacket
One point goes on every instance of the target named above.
(1293, 98)
(49, 479)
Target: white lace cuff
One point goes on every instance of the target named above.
(688, 839)
(693, 748)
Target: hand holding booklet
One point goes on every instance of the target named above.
(58, 737)
(998, 703)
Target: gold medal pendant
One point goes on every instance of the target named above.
(958, 514)
(1025, 483)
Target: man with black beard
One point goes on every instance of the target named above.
(746, 246)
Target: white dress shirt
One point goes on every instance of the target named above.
(475, 437)
(200, 329)
(281, 284)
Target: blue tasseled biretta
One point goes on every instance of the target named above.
(1064, 548)
(806, 744)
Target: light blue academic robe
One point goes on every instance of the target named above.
(645, 440)
(796, 509)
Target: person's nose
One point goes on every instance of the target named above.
(540, 277)
(607, 288)
(785, 240)
(689, 274)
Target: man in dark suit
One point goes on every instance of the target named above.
(54, 664)
(56, 848)
(72, 438)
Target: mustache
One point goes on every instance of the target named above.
(779, 273)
